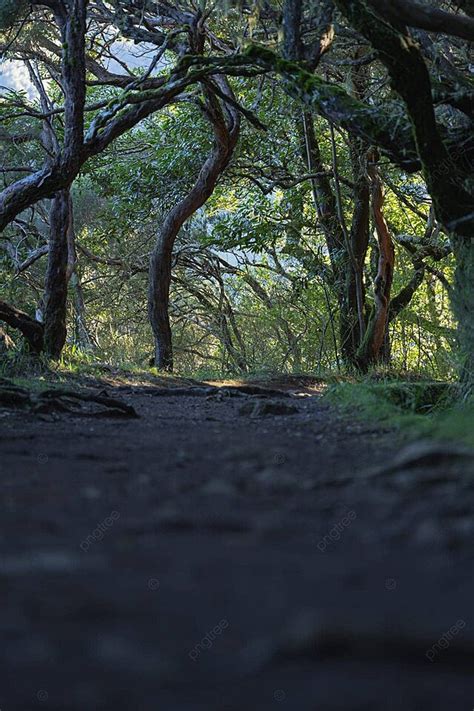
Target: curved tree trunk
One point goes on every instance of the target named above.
(225, 123)
(375, 346)
(384, 278)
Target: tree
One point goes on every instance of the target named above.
(225, 122)
(352, 144)
(449, 181)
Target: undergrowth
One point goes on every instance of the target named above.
(416, 408)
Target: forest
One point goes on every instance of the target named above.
(244, 189)
(237, 309)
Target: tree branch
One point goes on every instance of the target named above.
(31, 329)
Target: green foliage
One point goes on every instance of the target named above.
(18, 362)
(10, 11)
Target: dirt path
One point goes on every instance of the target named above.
(222, 553)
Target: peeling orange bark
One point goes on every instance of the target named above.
(386, 264)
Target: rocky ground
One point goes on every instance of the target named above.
(230, 550)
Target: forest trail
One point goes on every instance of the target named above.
(231, 550)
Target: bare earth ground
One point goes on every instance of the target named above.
(215, 555)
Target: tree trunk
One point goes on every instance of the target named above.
(353, 308)
(158, 303)
(463, 306)
(375, 346)
(326, 208)
(56, 276)
(225, 122)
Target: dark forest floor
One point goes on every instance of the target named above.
(228, 551)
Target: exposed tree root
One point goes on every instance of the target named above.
(63, 400)
(214, 391)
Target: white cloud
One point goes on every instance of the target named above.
(14, 75)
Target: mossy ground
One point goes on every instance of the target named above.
(415, 408)
(73, 371)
